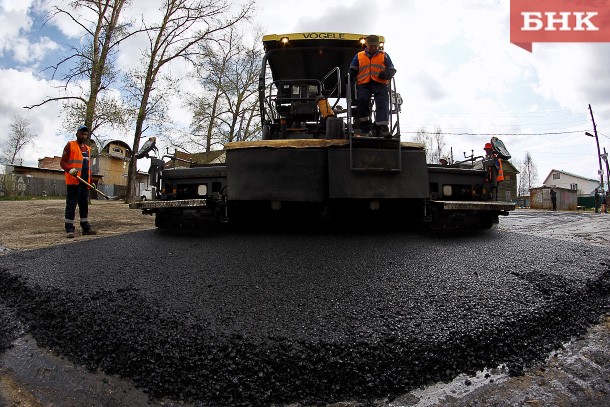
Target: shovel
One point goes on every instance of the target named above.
(94, 188)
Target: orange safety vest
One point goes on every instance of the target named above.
(369, 68)
(500, 176)
(75, 160)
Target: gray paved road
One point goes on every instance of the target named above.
(262, 318)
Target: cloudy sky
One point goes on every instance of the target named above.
(457, 70)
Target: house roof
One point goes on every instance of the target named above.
(212, 157)
(507, 166)
(24, 169)
(119, 143)
(570, 174)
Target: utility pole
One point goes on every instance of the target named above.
(599, 154)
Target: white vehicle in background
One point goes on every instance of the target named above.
(146, 194)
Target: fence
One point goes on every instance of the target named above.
(540, 198)
(20, 185)
(23, 185)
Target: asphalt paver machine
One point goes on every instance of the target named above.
(308, 165)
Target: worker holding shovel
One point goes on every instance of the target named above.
(76, 164)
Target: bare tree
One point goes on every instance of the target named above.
(241, 93)
(19, 137)
(423, 137)
(439, 145)
(435, 143)
(228, 109)
(528, 174)
(92, 62)
(521, 179)
(185, 24)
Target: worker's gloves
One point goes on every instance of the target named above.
(387, 74)
(73, 171)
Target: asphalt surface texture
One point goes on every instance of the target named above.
(274, 318)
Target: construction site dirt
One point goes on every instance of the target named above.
(36, 224)
(576, 373)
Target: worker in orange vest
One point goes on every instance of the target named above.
(373, 70)
(75, 161)
(495, 173)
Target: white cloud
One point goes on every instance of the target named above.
(19, 89)
(27, 52)
(13, 20)
(16, 28)
(15, 6)
(574, 74)
(56, 13)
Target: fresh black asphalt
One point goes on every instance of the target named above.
(262, 318)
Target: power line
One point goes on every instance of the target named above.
(501, 134)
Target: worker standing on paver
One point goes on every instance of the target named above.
(495, 173)
(373, 70)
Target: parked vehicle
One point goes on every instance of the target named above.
(146, 194)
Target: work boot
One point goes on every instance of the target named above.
(384, 131)
(362, 132)
(364, 126)
(89, 231)
(366, 131)
(69, 235)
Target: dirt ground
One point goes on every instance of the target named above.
(39, 223)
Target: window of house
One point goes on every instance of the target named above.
(574, 187)
(117, 150)
(556, 175)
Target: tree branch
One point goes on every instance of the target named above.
(55, 100)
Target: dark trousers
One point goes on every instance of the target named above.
(77, 195)
(379, 92)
